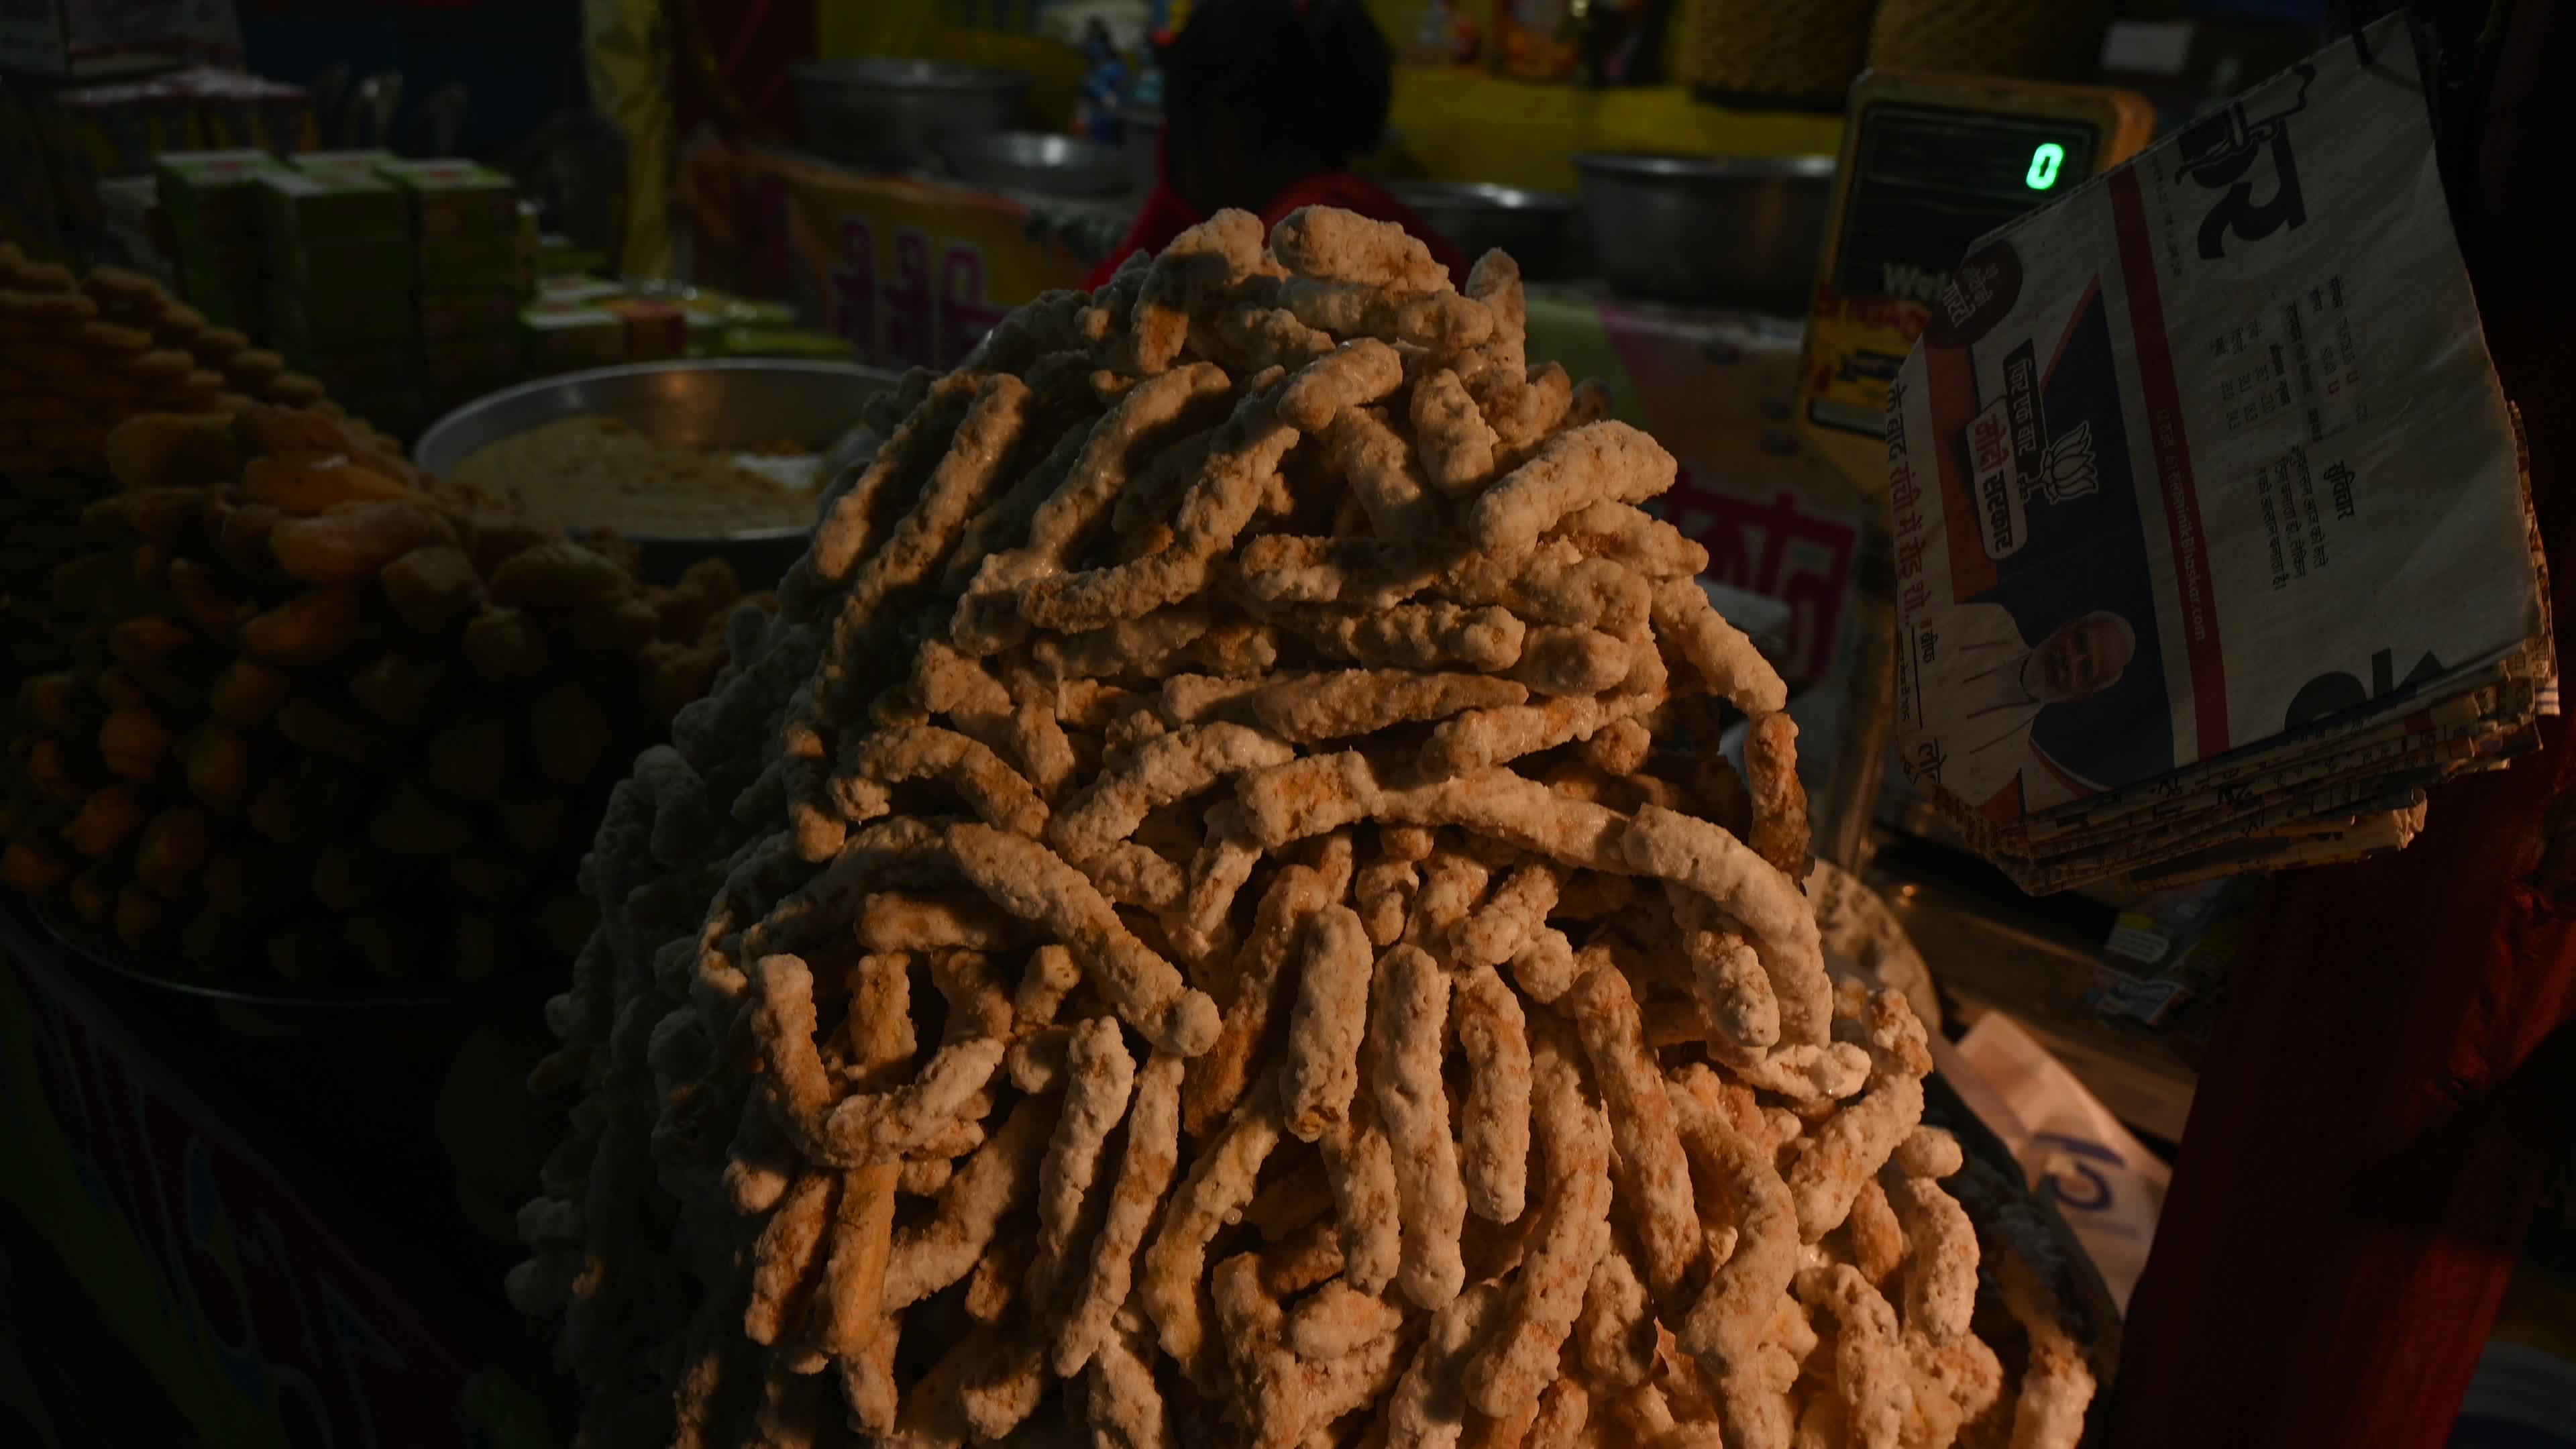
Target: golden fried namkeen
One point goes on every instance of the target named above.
(1187, 919)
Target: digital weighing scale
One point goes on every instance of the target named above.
(1929, 164)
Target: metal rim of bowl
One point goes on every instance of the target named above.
(917, 75)
(1036, 151)
(1632, 164)
(1502, 198)
(421, 450)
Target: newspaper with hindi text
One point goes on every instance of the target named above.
(2213, 543)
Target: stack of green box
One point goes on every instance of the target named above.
(209, 199)
(341, 270)
(473, 270)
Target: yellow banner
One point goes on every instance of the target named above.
(910, 272)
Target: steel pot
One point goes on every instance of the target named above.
(1536, 227)
(1718, 231)
(900, 114)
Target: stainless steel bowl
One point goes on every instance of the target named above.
(1037, 161)
(718, 405)
(1536, 227)
(1723, 231)
(898, 114)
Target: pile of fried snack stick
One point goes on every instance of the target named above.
(1212, 915)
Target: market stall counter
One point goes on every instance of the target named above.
(270, 1227)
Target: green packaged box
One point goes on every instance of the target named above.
(331, 214)
(355, 316)
(577, 288)
(489, 312)
(563, 337)
(444, 265)
(458, 204)
(362, 162)
(207, 194)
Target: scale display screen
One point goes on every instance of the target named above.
(1928, 181)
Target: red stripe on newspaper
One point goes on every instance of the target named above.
(2173, 462)
(1952, 383)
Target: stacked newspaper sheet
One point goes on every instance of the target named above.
(2213, 546)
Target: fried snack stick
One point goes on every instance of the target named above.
(877, 1127)
(1342, 703)
(930, 921)
(1551, 583)
(2058, 1383)
(1600, 461)
(1429, 1407)
(1431, 635)
(1676, 847)
(1360, 1166)
(854, 1327)
(1186, 280)
(1546, 967)
(1010, 516)
(1317, 793)
(1654, 1177)
(1870, 1373)
(1878, 1239)
(998, 1178)
(1452, 883)
(960, 484)
(1954, 1387)
(1494, 1125)
(1482, 739)
(1217, 1078)
(1443, 322)
(1359, 372)
(1626, 534)
(1458, 446)
(1125, 1408)
(1511, 916)
(1383, 475)
(1100, 1076)
(1929, 1152)
(1244, 455)
(1145, 1170)
(1852, 1145)
(1560, 660)
(1321, 1071)
(1339, 246)
(1725, 1328)
(1727, 981)
(1202, 929)
(1219, 1184)
(1686, 620)
(1546, 1295)
(1779, 800)
(1031, 882)
(987, 618)
(1163, 770)
(1941, 1261)
(1384, 889)
(997, 794)
(1408, 1011)
(1615, 1333)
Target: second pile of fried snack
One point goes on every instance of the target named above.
(1212, 914)
(318, 716)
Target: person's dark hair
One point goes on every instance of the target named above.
(1302, 85)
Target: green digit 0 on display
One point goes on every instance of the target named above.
(2044, 161)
